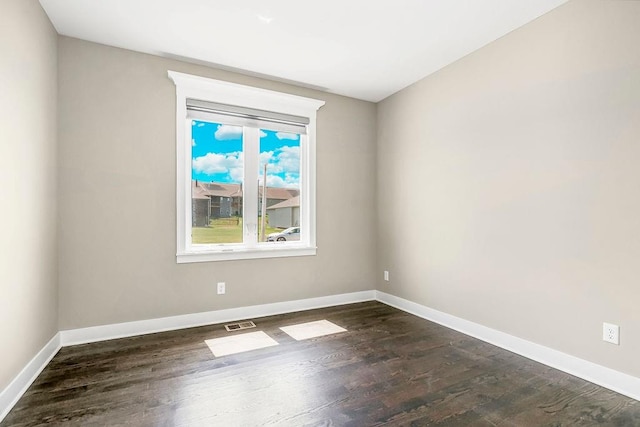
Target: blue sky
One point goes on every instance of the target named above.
(217, 155)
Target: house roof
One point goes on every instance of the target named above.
(280, 193)
(224, 190)
(293, 202)
(197, 192)
(235, 190)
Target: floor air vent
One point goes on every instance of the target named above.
(240, 325)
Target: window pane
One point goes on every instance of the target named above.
(280, 153)
(216, 183)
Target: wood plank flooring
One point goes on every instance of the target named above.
(390, 368)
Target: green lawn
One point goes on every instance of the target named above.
(223, 230)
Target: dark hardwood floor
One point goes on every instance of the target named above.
(390, 368)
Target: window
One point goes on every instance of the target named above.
(245, 171)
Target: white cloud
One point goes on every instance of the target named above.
(193, 142)
(292, 180)
(285, 159)
(265, 157)
(236, 174)
(275, 181)
(288, 159)
(200, 124)
(289, 181)
(213, 163)
(262, 134)
(226, 132)
(286, 135)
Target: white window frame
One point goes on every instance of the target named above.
(195, 87)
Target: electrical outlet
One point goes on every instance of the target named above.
(221, 288)
(386, 276)
(611, 333)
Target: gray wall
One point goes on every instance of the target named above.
(117, 197)
(28, 264)
(509, 184)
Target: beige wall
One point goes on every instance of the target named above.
(28, 263)
(509, 186)
(117, 197)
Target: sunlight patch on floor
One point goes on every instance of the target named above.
(315, 329)
(240, 343)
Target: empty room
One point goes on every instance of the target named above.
(338, 213)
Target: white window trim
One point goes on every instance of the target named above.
(189, 86)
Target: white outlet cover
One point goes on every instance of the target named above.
(611, 333)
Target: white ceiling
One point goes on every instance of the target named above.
(366, 49)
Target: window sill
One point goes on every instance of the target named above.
(243, 253)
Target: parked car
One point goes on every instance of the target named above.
(290, 234)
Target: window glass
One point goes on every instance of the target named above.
(217, 170)
(280, 166)
(236, 146)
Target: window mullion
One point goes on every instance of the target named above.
(251, 138)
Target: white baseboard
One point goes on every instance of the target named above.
(606, 377)
(129, 329)
(597, 374)
(14, 391)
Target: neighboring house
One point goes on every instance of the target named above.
(276, 195)
(214, 200)
(210, 200)
(200, 207)
(226, 199)
(285, 214)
